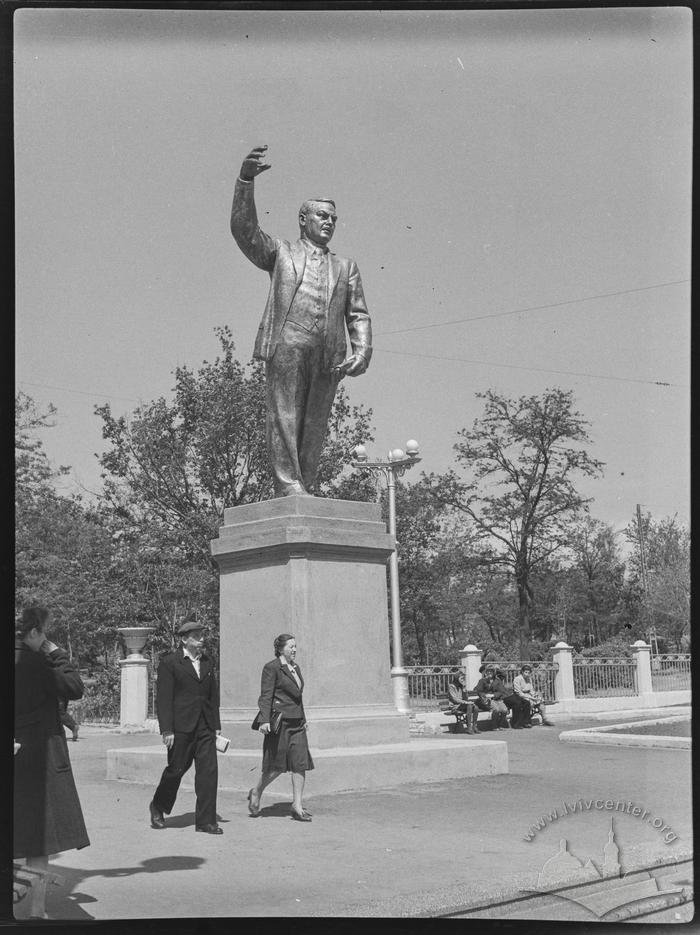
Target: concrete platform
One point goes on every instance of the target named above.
(611, 734)
(617, 705)
(626, 714)
(340, 769)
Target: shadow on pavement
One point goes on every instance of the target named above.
(278, 810)
(186, 820)
(67, 901)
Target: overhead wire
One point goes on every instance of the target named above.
(568, 373)
(532, 308)
(68, 389)
(457, 321)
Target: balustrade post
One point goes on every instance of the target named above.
(470, 659)
(564, 678)
(642, 658)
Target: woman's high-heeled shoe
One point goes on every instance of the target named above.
(300, 816)
(253, 809)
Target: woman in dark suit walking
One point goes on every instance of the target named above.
(287, 750)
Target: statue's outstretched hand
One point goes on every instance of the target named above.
(253, 163)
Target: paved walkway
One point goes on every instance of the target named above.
(403, 851)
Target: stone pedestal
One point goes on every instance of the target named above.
(134, 678)
(316, 569)
(470, 658)
(564, 678)
(642, 658)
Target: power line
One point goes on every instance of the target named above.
(67, 389)
(464, 360)
(567, 373)
(532, 308)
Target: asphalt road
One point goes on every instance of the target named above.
(409, 850)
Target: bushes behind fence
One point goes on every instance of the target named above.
(101, 700)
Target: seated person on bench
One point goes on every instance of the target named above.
(500, 700)
(525, 690)
(484, 692)
(459, 696)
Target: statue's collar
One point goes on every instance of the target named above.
(312, 248)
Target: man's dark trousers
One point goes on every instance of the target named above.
(198, 746)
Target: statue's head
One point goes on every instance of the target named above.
(317, 220)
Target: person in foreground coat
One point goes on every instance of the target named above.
(314, 297)
(284, 750)
(47, 813)
(187, 699)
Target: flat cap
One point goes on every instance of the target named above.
(188, 626)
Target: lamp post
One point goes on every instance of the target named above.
(396, 464)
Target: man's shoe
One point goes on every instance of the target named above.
(209, 829)
(157, 820)
(75, 734)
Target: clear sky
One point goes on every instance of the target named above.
(514, 185)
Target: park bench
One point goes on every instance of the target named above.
(460, 723)
(448, 708)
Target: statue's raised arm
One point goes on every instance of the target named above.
(258, 246)
(315, 303)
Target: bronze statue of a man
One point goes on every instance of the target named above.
(314, 296)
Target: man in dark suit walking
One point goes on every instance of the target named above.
(315, 297)
(187, 699)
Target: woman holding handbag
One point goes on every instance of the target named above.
(282, 721)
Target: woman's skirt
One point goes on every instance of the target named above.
(287, 750)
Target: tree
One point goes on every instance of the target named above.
(666, 604)
(62, 550)
(446, 597)
(417, 531)
(521, 500)
(33, 472)
(553, 613)
(88, 564)
(178, 465)
(598, 579)
(474, 602)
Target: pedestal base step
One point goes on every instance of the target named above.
(337, 769)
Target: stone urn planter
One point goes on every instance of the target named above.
(134, 678)
(135, 639)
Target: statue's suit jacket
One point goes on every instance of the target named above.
(285, 262)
